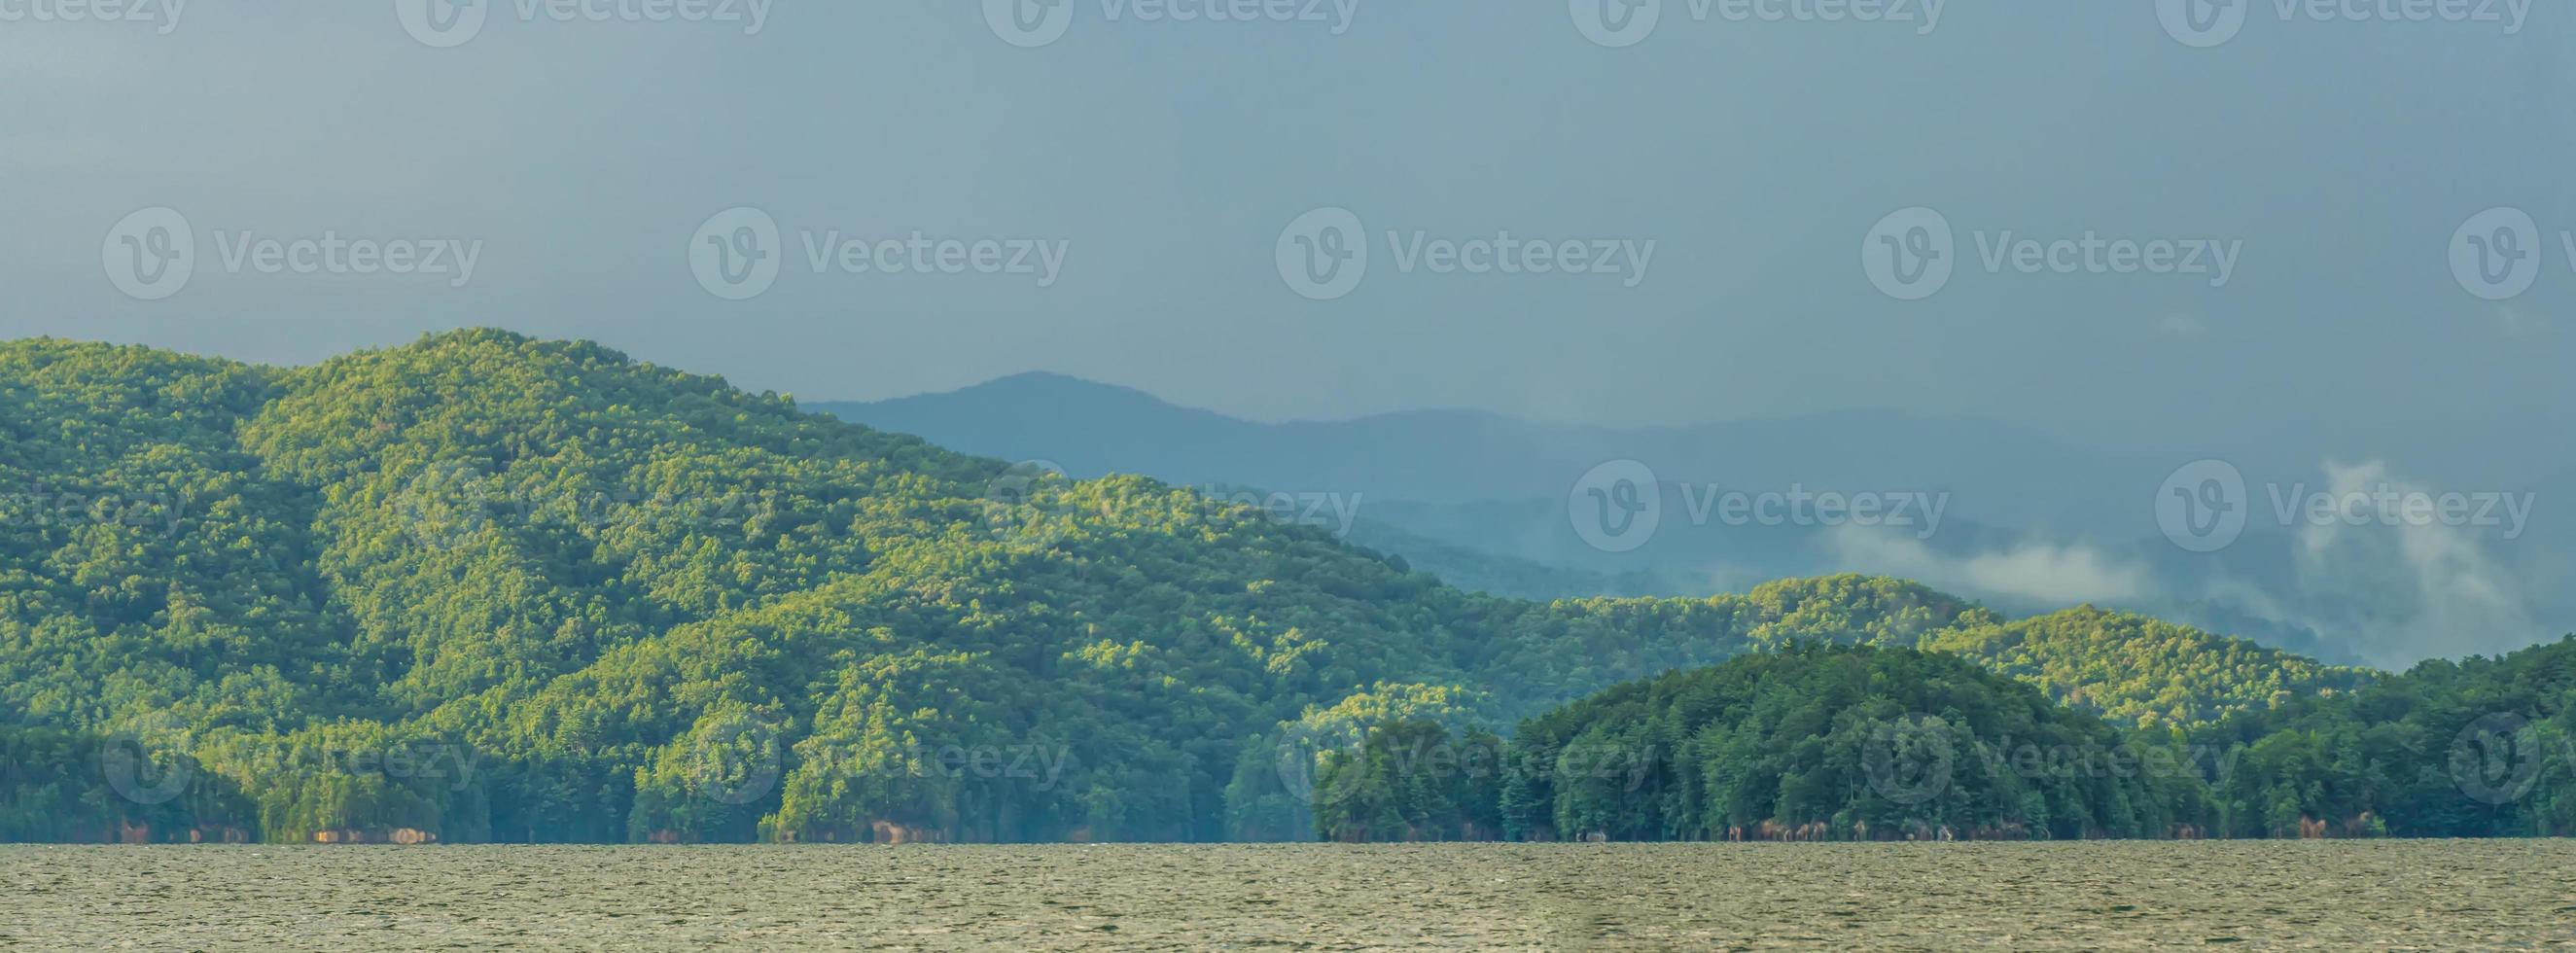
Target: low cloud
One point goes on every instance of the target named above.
(2402, 593)
(2032, 571)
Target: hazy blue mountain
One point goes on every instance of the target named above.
(2029, 521)
(1517, 577)
(1995, 473)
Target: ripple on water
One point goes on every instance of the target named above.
(2425, 895)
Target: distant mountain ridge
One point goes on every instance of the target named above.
(1997, 473)
(2029, 521)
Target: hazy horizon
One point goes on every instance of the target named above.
(1159, 162)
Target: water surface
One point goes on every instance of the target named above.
(2378, 895)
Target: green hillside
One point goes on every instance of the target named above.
(489, 588)
(2483, 747)
(1811, 743)
(2135, 669)
(1824, 742)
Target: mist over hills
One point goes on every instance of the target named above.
(2025, 520)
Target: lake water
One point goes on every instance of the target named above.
(2376, 895)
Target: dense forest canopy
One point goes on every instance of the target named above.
(1811, 743)
(484, 587)
(1822, 742)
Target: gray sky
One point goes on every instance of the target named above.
(1167, 157)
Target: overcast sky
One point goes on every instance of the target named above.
(1162, 159)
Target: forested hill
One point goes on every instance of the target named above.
(1827, 742)
(1810, 743)
(489, 588)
